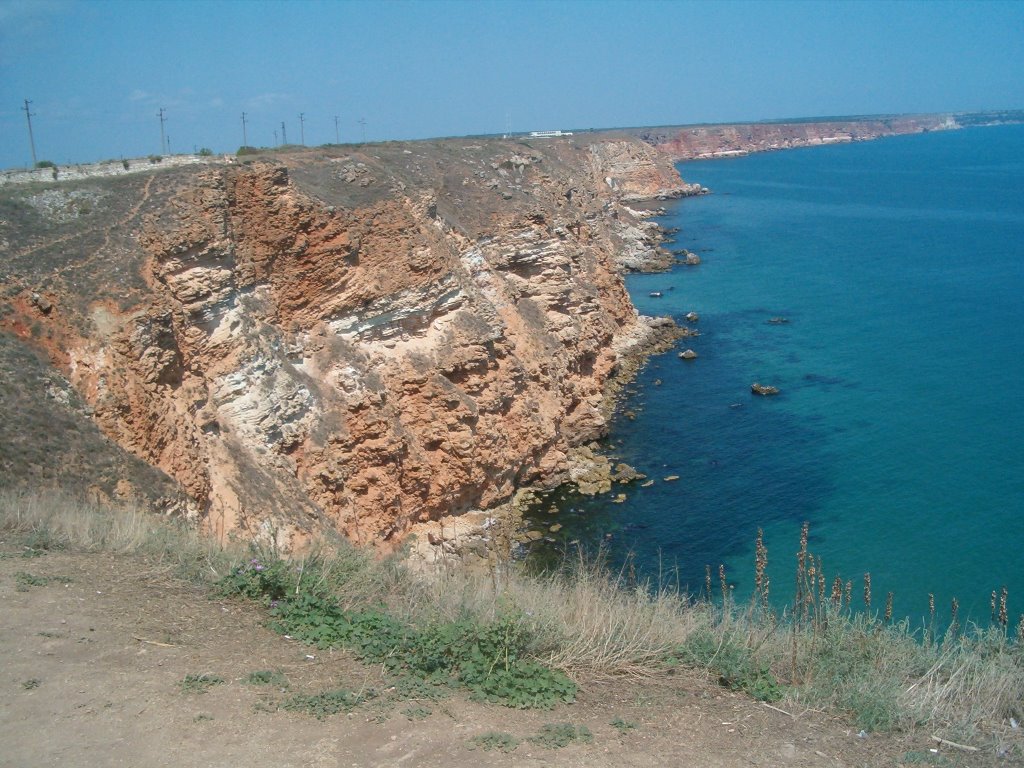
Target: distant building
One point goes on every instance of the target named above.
(548, 134)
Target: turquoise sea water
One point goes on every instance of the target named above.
(899, 432)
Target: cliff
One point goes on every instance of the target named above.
(353, 339)
(709, 141)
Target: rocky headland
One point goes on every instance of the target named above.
(356, 340)
(366, 340)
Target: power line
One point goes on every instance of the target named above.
(31, 140)
(163, 141)
(302, 128)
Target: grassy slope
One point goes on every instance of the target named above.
(587, 624)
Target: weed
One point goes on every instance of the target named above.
(25, 580)
(504, 742)
(925, 758)
(255, 580)
(417, 713)
(623, 726)
(323, 705)
(199, 683)
(557, 735)
(31, 684)
(736, 665)
(202, 717)
(272, 677)
(483, 657)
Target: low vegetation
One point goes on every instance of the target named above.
(528, 641)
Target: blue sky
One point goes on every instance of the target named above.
(97, 72)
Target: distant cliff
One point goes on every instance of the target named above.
(710, 141)
(358, 339)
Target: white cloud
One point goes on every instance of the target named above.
(265, 100)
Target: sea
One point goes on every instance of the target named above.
(880, 286)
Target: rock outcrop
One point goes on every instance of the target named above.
(358, 341)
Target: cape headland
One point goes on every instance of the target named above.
(348, 338)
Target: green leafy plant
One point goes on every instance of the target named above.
(205, 152)
(558, 735)
(31, 684)
(46, 164)
(417, 713)
(623, 726)
(269, 580)
(486, 658)
(24, 580)
(272, 677)
(200, 683)
(737, 666)
(504, 742)
(322, 705)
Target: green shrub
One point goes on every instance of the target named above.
(46, 164)
(206, 152)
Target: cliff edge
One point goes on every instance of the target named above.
(357, 339)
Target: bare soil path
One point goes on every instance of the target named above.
(94, 649)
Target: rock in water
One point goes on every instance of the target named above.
(763, 389)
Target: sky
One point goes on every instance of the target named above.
(97, 72)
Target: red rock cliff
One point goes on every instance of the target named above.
(361, 340)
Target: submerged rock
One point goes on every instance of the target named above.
(763, 389)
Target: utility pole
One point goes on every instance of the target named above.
(31, 140)
(337, 136)
(284, 134)
(163, 141)
(275, 137)
(245, 138)
(362, 122)
(302, 128)
(168, 144)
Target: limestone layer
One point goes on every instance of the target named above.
(349, 339)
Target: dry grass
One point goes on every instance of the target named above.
(592, 623)
(586, 621)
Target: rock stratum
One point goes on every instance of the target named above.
(352, 339)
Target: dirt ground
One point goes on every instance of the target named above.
(95, 648)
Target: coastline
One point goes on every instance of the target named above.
(477, 369)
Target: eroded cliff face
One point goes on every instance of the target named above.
(354, 340)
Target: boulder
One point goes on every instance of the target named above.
(763, 389)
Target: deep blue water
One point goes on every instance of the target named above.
(899, 432)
